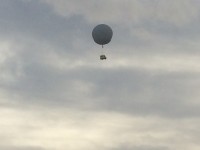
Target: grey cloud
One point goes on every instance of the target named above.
(161, 94)
(174, 12)
(144, 93)
(35, 21)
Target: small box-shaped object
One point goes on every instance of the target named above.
(102, 57)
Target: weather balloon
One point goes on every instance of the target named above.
(102, 34)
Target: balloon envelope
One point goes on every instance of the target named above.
(102, 34)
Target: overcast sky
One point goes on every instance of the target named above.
(56, 94)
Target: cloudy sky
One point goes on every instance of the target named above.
(55, 93)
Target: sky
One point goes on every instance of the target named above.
(56, 94)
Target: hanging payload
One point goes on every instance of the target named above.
(102, 34)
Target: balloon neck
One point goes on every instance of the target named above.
(102, 46)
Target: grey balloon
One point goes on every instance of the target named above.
(102, 34)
